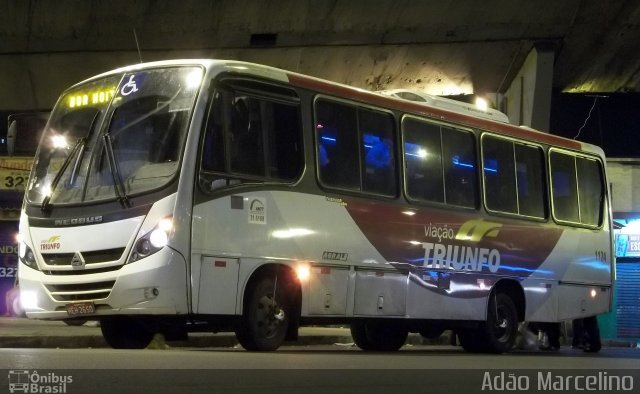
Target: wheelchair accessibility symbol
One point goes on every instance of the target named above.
(129, 87)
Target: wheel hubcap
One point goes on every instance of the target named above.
(269, 316)
(502, 324)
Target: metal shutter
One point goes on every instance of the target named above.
(628, 298)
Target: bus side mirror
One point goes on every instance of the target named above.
(11, 137)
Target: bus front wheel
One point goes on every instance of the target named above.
(378, 335)
(265, 319)
(125, 333)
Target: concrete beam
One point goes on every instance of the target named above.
(527, 101)
(33, 81)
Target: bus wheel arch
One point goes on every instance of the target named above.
(270, 308)
(514, 290)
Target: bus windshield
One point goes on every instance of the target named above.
(115, 137)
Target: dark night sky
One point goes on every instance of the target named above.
(614, 123)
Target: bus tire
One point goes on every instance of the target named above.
(592, 342)
(472, 342)
(264, 322)
(75, 322)
(431, 331)
(500, 331)
(378, 335)
(125, 333)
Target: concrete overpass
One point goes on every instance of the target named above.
(512, 51)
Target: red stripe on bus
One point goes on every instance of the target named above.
(431, 112)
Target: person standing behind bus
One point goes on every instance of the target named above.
(586, 334)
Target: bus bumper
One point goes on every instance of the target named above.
(155, 285)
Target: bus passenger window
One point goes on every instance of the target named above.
(530, 179)
(337, 136)
(590, 190)
(564, 187)
(499, 175)
(376, 129)
(459, 161)
(423, 160)
(355, 148)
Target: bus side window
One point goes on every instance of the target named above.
(498, 169)
(354, 148)
(578, 189)
(590, 190)
(423, 160)
(285, 145)
(247, 137)
(530, 178)
(251, 137)
(213, 155)
(377, 136)
(459, 162)
(564, 187)
(337, 136)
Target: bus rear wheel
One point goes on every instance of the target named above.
(125, 333)
(431, 331)
(378, 335)
(265, 319)
(498, 333)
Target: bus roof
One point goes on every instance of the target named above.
(447, 103)
(426, 109)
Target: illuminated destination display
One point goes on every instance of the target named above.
(80, 99)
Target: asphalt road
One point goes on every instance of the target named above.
(313, 369)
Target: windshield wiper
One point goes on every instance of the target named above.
(54, 184)
(118, 184)
(45, 206)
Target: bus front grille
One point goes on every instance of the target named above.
(90, 257)
(62, 262)
(81, 291)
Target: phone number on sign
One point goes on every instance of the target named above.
(8, 272)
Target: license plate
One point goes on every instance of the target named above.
(81, 308)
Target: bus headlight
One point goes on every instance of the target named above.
(152, 241)
(26, 255)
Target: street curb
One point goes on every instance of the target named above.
(219, 340)
(24, 333)
(194, 341)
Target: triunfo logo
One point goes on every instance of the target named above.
(447, 252)
(52, 243)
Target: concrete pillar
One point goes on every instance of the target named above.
(527, 101)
